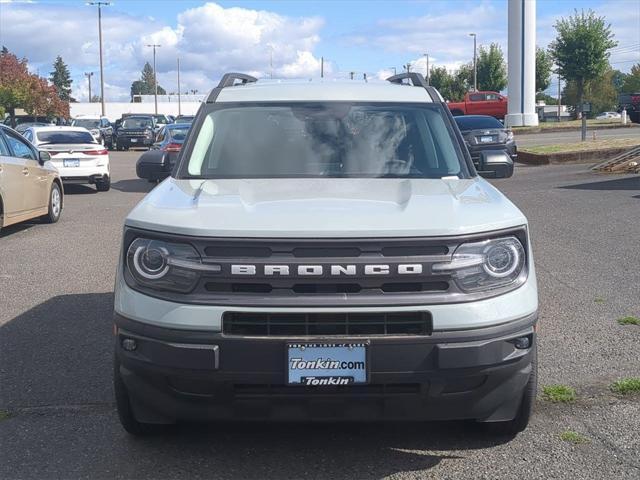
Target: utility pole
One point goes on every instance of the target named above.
(100, 5)
(559, 97)
(426, 55)
(408, 67)
(155, 75)
(179, 106)
(475, 67)
(321, 67)
(395, 71)
(89, 75)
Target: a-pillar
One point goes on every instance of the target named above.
(521, 88)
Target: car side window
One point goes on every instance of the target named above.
(493, 96)
(27, 135)
(477, 97)
(4, 149)
(19, 148)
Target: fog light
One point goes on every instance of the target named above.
(522, 343)
(129, 344)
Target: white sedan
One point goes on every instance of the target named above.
(608, 115)
(75, 153)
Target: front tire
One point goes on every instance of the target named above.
(55, 204)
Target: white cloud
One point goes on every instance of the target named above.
(209, 40)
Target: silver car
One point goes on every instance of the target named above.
(30, 185)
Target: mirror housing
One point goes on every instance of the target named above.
(154, 165)
(43, 157)
(495, 164)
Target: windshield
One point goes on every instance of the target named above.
(178, 134)
(184, 119)
(86, 123)
(137, 122)
(65, 137)
(475, 123)
(325, 140)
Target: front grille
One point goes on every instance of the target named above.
(326, 324)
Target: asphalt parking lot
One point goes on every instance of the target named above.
(57, 415)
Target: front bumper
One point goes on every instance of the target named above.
(202, 375)
(134, 142)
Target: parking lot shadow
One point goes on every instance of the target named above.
(58, 353)
(627, 183)
(18, 227)
(55, 377)
(133, 185)
(75, 189)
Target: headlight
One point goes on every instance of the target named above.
(485, 265)
(164, 265)
(95, 133)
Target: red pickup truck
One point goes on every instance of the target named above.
(481, 103)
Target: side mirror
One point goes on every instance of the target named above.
(43, 157)
(495, 164)
(153, 165)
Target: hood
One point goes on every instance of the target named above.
(308, 208)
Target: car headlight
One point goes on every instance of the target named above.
(95, 133)
(485, 265)
(164, 265)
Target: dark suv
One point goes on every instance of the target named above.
(135, 132)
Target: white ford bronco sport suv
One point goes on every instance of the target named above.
(326, 251)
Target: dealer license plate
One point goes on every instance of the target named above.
(71, 162)
(486, 139)
(326, 364)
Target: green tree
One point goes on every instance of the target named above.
(632, 80)
(492, 70)
(544, 63)
(600, 91)
(146, 84)
(461, 82)
(61, 79)
(441, 80)
(581, 49)
(547, 99)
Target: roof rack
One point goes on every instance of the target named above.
(417, 80)
(229, 80)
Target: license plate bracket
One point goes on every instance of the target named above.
(327, 363)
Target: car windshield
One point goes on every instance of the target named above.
(136, 122)
(65, 137)
(86, 123)
(476, 123)
(184, 120)
(178, 134)
(326, 140)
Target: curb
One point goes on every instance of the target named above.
(535, 130)
(588, 156)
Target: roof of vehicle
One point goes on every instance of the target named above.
(88, 117)
(58, 128)
(323, 90)
(471, 117)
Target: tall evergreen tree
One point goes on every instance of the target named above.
(61, 79)
(146, 84)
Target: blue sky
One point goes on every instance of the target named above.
(210, 38)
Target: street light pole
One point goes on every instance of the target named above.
(427, 57)
(100, 5)
(475, 68)
(179, 106)
(89, 75)
(155, 76)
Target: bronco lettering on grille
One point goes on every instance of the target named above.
(332, 270)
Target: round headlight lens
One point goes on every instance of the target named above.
(150, 261)
(501, 259)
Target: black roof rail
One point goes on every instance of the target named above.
(229, 80)
(417, 80)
